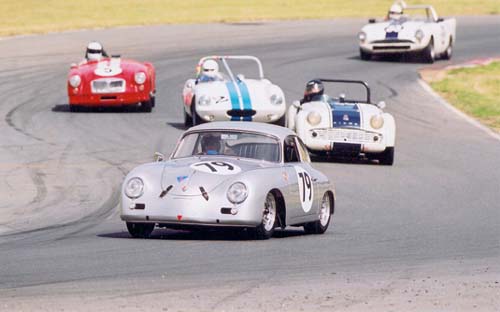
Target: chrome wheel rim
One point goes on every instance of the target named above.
(324, 213)
(269, 215)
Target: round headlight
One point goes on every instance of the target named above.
(140, 77)
(276, 100)
(362, 36)
(419, 35)
(134, 188)
(313, 118)
(75, 81)
(377, 121)
(237, 193)
(204, 100)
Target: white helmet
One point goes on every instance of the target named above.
(395, 12)
(94, 51)
(210, 68)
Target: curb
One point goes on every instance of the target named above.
(458, 112)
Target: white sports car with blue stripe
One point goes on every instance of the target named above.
(230, 97)
(342, 127)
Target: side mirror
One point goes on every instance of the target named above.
(372, 21)
(189, 85)
(158, 157)
(296, 104)
(73, 65)
(439, 20)
(381, 105)
(342, 97)
(240, 77)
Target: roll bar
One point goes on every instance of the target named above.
(364, 84)
(223, 59)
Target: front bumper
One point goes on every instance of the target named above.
(392, 46)
(110, 99)
(190, 211)
(344, 140)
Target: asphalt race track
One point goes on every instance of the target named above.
(421, 235)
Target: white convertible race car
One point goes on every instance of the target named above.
(343, 127)
(414, 29)
(216, 96)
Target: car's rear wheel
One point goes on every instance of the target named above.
(266, 228)
(365, 56)
(140, 230)
(387, 157)
(429, 54)
(325, 213)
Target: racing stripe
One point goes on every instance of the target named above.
(345, 115)
(245, 96)
(235, 101)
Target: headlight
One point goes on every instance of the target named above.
(276, 100)
(377, 121)
(419, 35)
(237, 193)
(75, 81)
(362, 36)
(140, 77)
(314, 118)
(204, 100)
(134, 188)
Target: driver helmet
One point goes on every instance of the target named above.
(210, 144)
(395, 12)
(314, 88)
(94, 51)
(210, 68)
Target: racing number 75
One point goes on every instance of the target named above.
(306, 185)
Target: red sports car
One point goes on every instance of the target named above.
(112, 82)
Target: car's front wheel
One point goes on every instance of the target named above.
(429, 54)
(365, 56)
(281, 121)
(325, 213)
(387, 156)
(266, 228)
(449, 50)
(147, 106)
(140, 230)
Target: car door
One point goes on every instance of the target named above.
(300, 203)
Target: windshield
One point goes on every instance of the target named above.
(417, 15)
(229, 143)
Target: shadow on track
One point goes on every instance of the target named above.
(177, 125)
(401, 58)
(205, 235)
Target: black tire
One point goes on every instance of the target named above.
(387, 157)
(365, 56)
(147, 106)
(325, 215)
(269, 216)
(449, 50)
(153, 101)
(196, 119)
(428, 54)
(281, 121)
(188, 121)
(140, 230)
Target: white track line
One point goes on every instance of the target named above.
(458, 112)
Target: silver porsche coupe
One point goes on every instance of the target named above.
(251, 176)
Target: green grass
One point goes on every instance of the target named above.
(475, 91)
(41, 16)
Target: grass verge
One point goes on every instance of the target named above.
(35, 16)
(475, 91)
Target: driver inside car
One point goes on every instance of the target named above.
(210, 145)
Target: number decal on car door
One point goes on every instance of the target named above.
(306, 188)
(216, 167)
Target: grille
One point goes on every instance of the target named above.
(347, 135)
(241, 113)
(391, 47)
(108, 86)
(392, 41)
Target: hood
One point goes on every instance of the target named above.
(245, 94)
(392, 30)
(187, 175)
(110, 67)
